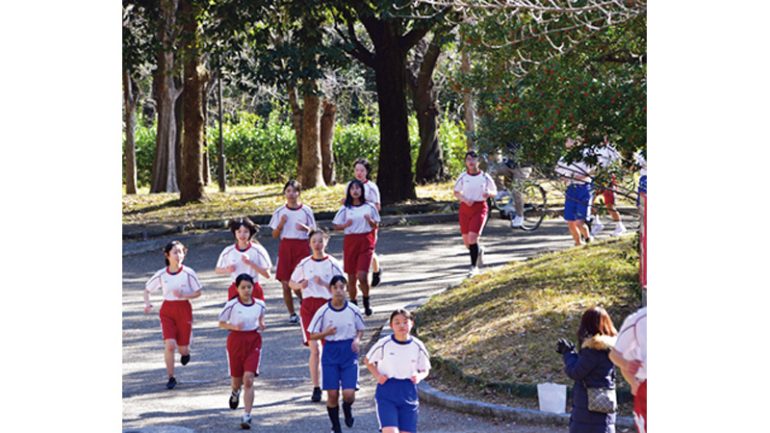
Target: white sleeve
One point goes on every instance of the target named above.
(316, 323)
(154, 283)
(298, 274)
(221, 262)
(195, 284)
(376, 193)
(423, 359)
(263, 258)
(377, 352)
(310, 218)
(275, 219)
(563, 170)
(374, 214)
(458, 184)
(491, 187)
(626, 342)
(359, 320)
(340, 217)
(224, 316)
(336, 267)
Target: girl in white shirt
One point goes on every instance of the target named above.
(244, 317)
(291, 223)
(246, 256)
(473, 188)
(179, 284)
(359, 220)
(398, 362)
(362, 171)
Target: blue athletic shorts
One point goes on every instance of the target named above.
(339, 365)
(397, 404)
(577, 202)
(642, 188)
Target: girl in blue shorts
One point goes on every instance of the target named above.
(398, 362)
(578, 197)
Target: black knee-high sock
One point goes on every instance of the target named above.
(474, 248)
(334, 416)
(347, 408)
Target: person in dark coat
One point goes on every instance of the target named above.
(591, 367)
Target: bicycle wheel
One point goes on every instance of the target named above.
(534, 205)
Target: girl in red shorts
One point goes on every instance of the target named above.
(362, 170)
(179, 284)
(244, 317)
(291, 223)
(312, 276)
(472, 189)
(359, 220)
(246, 256)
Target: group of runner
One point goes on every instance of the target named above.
(329, 316)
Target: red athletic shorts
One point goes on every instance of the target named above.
(472, 217)
(640, 407)
(290, 252)
(306, 312)
(244, 351)
(256, 291)
(357, 251)
(609, 193)
(176, 321)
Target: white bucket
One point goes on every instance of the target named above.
(552, 397)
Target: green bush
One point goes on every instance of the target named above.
(144, 142)
(357, 140)
(451, 138)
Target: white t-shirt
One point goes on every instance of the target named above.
(233, 256)
(309, 267)
(399, 360)
(606, 155)
(184, 279)
(473, 186)
(238, 313)
(356, 213)
(303, 214)
(347, 320)
(577, 172)
(632, 340)
(642, 161)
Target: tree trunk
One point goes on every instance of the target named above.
(430, 159)
(166, 94)
(311, 174)
(394, 176)
(194, 82)
(470, 115)
(129, 106)
(206, 163)
(296, 122)
(327, 141)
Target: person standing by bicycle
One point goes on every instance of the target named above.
(577, 198)
(473, 188)
(512, 172)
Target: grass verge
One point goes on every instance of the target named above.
(493, 337)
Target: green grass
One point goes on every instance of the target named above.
(502, 326)
(145, 208)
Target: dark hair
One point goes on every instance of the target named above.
(402, 312)
(337, 278)
(242, 277)
(235, 224)
(349, 198)
(294, 184)
(471, 153)
(367, 166)
(595, 320)
(170, 246)
(315, 232)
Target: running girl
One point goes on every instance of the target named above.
(398, 362)
(606, 156)
(244, 317)
(472, 189)
(359, 220)
(312, 277)
(244, 257)
(577, 199)
(362, 171)
(179, 284)
(340, 325)
(291, 223)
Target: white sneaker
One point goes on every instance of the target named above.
(474, 270)
(517, 222)
(619, 230)
(596, 227)
(246, 421)
(480, 260)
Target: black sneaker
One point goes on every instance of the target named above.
(367, 310)
(376, 278)
(234, 398)
(171, 383)
(316, 395)
(185, 359)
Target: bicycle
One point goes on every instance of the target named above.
(533, 195)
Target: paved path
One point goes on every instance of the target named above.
(417, 261)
